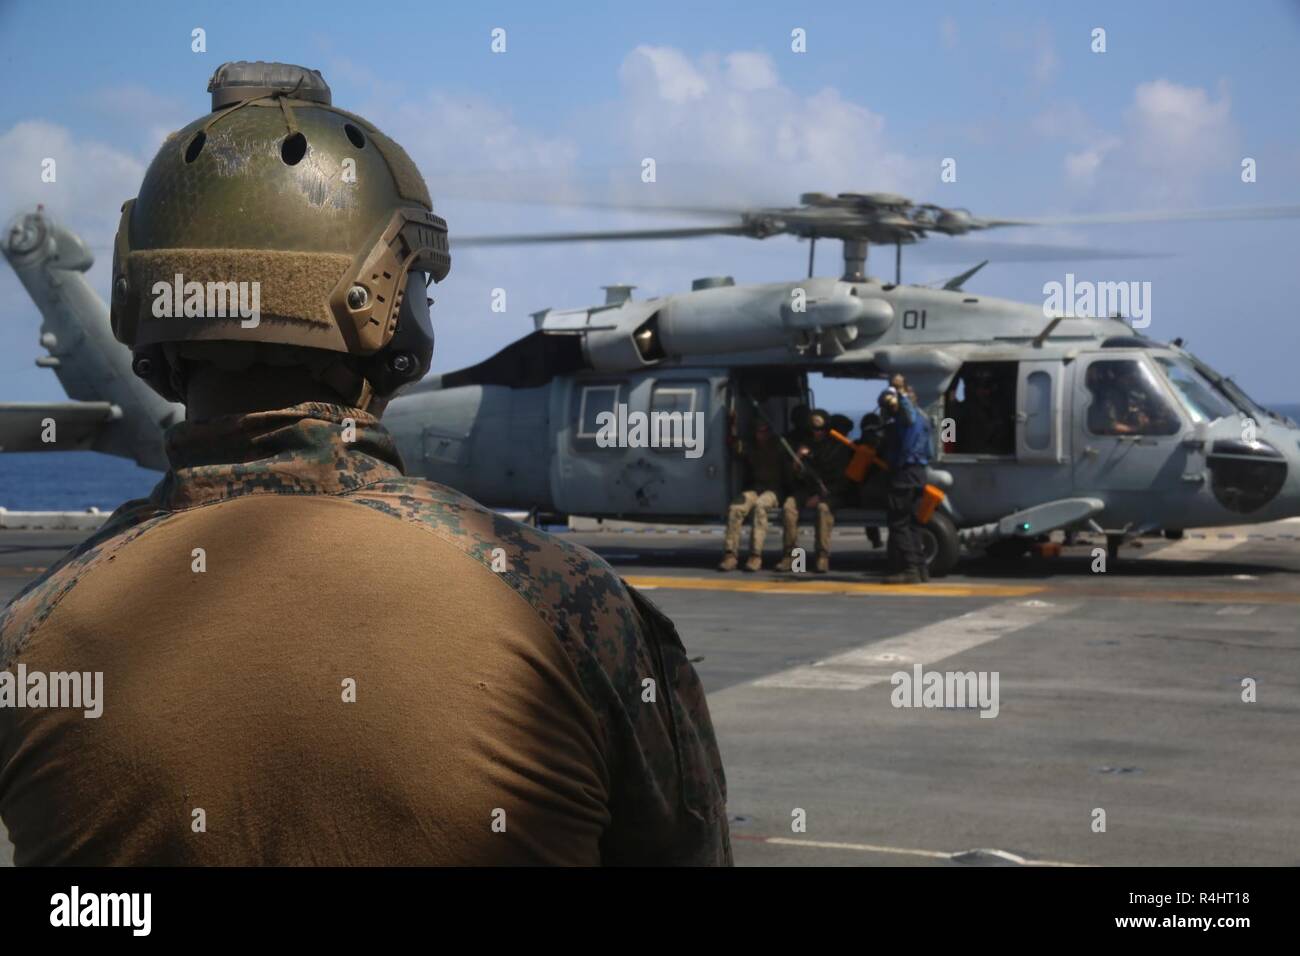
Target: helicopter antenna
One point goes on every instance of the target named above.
(898, 263)
(1051, 327)
(956, 282)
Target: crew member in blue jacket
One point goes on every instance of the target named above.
(907, 452)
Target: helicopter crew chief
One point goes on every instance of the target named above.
(907, 452)
(819, 484)
(768, 472)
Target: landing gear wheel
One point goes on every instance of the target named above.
(940, 546)
(1113, 541)
(1009, 549)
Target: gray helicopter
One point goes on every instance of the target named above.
(1043, 422)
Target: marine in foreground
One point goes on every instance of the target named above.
(307, 657)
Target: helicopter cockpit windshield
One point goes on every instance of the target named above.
(1233, 393)
(1196, 392)
(1252, 407)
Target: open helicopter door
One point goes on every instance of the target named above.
(1039, 393)
(777, 393)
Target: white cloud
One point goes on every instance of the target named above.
(454, 131)
(665, 71)
(1171, 140)
(92, 180)
(759, 135)
(1180, 129)
(1081, 167)
(751, 71)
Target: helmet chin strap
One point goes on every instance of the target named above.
(350, 385)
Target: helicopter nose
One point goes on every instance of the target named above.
(1247, 475)
(1291, 493)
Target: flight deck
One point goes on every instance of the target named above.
(1119, 692)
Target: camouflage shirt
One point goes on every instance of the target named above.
(663, 782)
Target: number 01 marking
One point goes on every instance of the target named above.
(912, 319)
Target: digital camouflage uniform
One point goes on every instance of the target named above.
(520, 688)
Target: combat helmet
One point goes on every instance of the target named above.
(279, 228)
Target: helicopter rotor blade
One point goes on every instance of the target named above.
(671, 209)
(1173, 215)
(941, 251)
(968, 250)
(519, 239)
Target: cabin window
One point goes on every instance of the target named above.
(1038, 411)
(595, 399)
(672, 414)
(1125, 398)
(673, 399)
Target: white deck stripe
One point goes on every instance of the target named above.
(906, 851)
(1197, 549)
(874, 663)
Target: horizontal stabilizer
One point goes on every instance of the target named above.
(53, 426)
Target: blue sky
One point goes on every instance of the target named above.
(1037, 122)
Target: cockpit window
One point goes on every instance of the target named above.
(1127, 399)
(1197, 392)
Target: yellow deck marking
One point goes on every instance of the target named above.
(932, 589)
(789, 586)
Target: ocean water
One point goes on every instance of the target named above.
(75, 480)
(70, 481)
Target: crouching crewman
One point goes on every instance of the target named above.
(767, 475)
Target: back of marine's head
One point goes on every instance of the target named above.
(279, 231)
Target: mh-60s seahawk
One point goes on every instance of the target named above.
(1060, 422)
